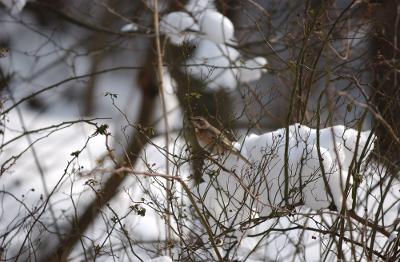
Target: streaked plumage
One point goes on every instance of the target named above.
(3, 52)
(212, 139)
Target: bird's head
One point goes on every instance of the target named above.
(199, 122)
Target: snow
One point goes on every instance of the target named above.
(24, 184)
(210, 31)
(179, 27)
(393, 236)
(306, 178)
(216, 27)
(212, 63)
(182, 27)
(151, 227)
(196, 7)
(161, 259)
(245, 192)
(131, 27)
(224, 195)
(148, 193)
(252, 69)
(15, 6)
(341, 143)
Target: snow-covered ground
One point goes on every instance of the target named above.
(70, 188)
(53, 173)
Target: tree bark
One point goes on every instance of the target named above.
(149, 87)
(387, 78)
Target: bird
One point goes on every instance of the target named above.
(212, 139)
(3, 52)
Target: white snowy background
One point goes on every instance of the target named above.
(47, 169)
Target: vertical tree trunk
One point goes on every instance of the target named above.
(387, 78)
(149, 87)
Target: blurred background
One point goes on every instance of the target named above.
(88, 87)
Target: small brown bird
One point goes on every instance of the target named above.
(212, 139)
(3, 52)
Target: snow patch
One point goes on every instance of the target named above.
(15, 6)
(252, 69)
(212, 63)
(216, 27)
(179, 26)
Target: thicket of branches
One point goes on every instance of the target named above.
(99, 159)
